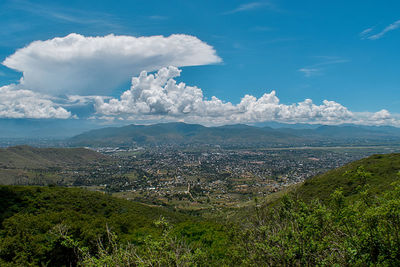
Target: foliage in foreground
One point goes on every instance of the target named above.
(33, 218)
(166, 250)
(361, 233)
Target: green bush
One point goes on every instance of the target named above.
(342, 233)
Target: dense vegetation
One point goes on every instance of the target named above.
(342, 233)
(35, 221)
(347, 217)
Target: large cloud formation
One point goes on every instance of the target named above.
(18, 103)
(75, 70)
(160, 96)
(81, 65)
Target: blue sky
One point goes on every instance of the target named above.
(341, 51)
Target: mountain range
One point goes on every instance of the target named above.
(241, 135)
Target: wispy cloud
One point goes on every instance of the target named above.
(317, 68)
(308, 72)
(330, 61)
(366, 34)
(250, 6)
(65, 14)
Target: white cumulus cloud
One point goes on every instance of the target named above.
(19, 103)
(155, 95)
(381, 115)
(79, 65)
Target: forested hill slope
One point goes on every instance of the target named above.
(30, 215)
(26, 157)
(52, 226)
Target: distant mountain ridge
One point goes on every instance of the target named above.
(178, 133)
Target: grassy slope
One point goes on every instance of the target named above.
(36, 158)
(20, 164)
(383, 170)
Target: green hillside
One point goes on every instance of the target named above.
(26, 165)
(377, 171)
(45, 225)
(26, 157)
(346, 217)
